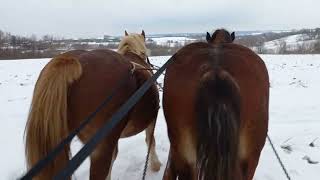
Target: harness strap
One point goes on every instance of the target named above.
(148, 61)
(137, 66)
(133, 67)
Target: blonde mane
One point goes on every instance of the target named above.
(133, 43)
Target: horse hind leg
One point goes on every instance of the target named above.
(102, 160)
(150, 141)
(114, 156)
(169, 172)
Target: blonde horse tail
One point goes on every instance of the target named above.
(47, 121)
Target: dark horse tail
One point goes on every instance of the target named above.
(218, 125)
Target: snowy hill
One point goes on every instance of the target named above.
(291, 43)
(304, 41)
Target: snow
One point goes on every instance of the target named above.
(292, 42)
(171, 41)
(165, 39)
(96, 43)
(294, 121)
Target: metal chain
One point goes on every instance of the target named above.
(278, 157)
(152, 132)
(154, 67)
(148, 153)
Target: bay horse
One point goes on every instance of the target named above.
(220, 36)
(216, 103)
(72, 85)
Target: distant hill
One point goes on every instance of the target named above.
(239, 33)
(304, 41)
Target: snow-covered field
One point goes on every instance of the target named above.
(171, 41)
(294, 121)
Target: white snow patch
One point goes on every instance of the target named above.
(172, 41)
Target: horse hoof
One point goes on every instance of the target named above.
(155, 167)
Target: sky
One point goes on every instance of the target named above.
(95, 18)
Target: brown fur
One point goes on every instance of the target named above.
(71, 86)
(239, 126)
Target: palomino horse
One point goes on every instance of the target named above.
(220, 36)
(72, 85)
(215, 102)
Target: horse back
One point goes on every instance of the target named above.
(103, 72)
(192, 61)
(248, 69)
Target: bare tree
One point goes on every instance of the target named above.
(282, 47)
(316, 47)
(1, 38)
(261, 49)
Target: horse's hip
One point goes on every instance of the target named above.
(143, 113)
(102, 77)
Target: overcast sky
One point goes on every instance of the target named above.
(94, 18)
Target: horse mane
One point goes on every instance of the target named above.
(133, 43)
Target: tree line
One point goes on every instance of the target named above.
(20, 47)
